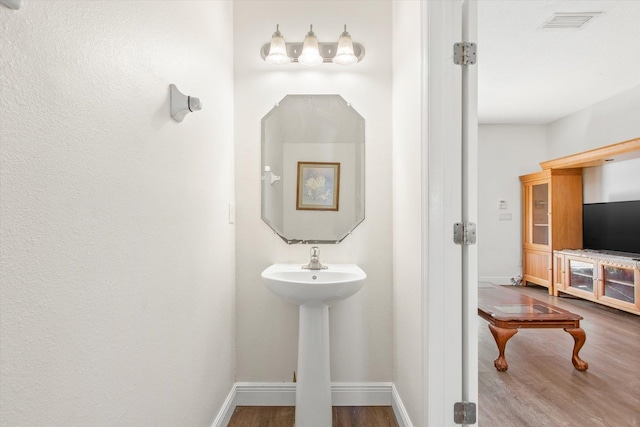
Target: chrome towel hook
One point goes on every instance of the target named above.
(181, 104)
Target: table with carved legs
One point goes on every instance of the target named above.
(507, 311)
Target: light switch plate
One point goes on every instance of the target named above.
(232, 213)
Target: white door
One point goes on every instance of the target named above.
(450, 178)
(470, 207)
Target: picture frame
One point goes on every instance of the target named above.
(318, 187)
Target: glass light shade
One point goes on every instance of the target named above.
(277, 50)
(344, 52)
(310, 53)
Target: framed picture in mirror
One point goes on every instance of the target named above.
(318, 187)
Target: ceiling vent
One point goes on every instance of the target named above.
(569, 19)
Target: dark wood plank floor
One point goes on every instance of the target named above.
(541, 387)
(284, 416)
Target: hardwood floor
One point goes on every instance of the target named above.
(284, 416)
(541, 387)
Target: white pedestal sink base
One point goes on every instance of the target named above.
(313, 290)
(313, 389)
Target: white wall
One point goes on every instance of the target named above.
(605, 123)
(611, 121)
(612, 182)
(117, 297)
(361, 326)
(504, 153)
(407, 209)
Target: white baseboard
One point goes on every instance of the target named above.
(361, 394)
(399, 410)
(265, 394)
(226, 411)
(496, 280)
(284, 394)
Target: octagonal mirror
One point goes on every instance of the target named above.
(313, 169)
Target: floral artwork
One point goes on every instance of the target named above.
(318, 186)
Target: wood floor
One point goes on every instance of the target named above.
(541, 387)
(284, 416)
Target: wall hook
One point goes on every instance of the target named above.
(181, 104)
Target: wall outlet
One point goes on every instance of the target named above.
(502, 204)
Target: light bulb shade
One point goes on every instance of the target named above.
(310, 53)
(344, 52)
(277, 50)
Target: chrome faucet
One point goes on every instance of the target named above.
(314, 263)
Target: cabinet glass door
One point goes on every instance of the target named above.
(540, 214)
(581, 275)
(618, 283)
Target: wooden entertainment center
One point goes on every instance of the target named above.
(606, 278)
(552, 233)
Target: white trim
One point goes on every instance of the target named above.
(402, 417)
(361, 394)
(265, 394)
(227, 409)
(470, 209)
(442, 354)
(284, 394)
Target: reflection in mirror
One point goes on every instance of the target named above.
(313, 169)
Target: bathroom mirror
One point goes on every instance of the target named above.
(313, 169)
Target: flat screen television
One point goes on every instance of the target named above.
(613, 226)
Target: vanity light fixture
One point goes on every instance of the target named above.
(344, 53)
(277, 49)
(310, 52)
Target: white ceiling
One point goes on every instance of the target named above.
(529, 75)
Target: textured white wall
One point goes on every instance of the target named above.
(361, 326)
(117, 297)
(407, 209)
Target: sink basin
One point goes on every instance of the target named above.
(302, 286)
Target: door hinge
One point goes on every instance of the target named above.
(464, 413)
(464, 53)
(464, 233)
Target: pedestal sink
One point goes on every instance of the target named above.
(313, 291)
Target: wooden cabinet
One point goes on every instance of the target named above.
(537, 268)
(558, 272)
(551, 220)
(606, 278)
